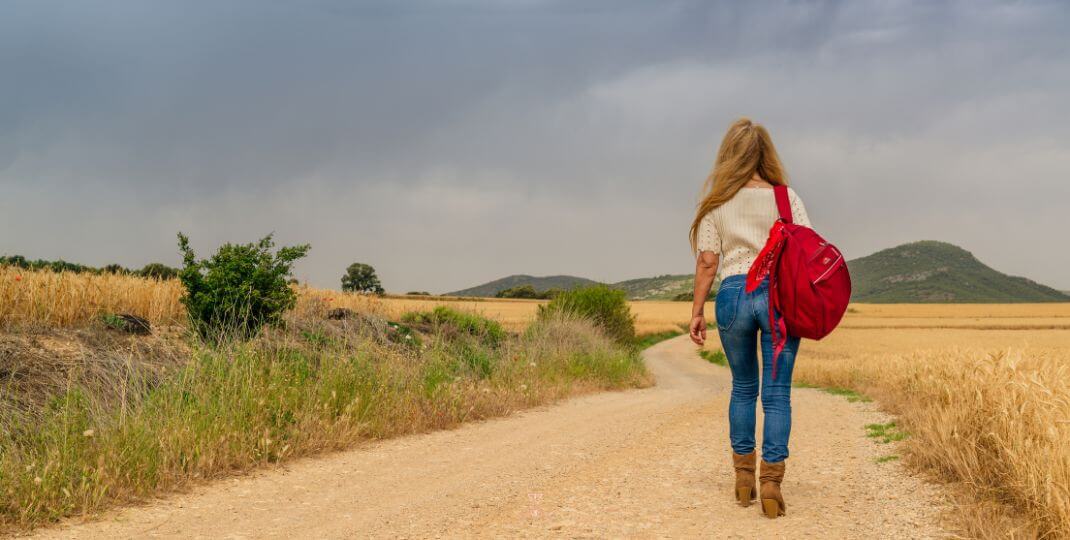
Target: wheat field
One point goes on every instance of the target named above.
(983, 391)
(50, 300)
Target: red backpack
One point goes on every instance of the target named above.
(809, 285)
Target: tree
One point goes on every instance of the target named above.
(361, 278)
(527, 291)
(158, 271)
(520, 291)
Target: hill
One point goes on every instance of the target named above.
(933, 272)
(539, 283)
(663, 287)
(919, 272)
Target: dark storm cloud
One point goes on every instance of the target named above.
(449, 142)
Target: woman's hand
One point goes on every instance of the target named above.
(698, 329)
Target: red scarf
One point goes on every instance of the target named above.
(765, 266)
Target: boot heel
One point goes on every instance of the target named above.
(771, 508)
(743, 496)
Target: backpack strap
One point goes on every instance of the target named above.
(782, 202)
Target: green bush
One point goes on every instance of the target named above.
(487, 330)
(238, 290)
(606, 307)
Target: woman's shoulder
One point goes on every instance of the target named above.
(710, 215)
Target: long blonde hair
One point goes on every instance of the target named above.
(745, 150)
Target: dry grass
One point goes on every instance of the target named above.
(987, 410)
(90, 417)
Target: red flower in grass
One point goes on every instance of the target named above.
(18, 278)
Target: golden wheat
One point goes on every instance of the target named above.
(51, 299)
(987, 410)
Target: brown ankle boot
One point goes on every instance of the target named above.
(772, 501)
(745, 487)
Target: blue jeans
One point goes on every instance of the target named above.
(743, 322)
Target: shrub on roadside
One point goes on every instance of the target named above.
(592, 359)
(487, 330)
(606, 307)
(239, 289)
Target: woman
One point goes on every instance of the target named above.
(730, 228)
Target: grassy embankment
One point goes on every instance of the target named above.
(107, 436)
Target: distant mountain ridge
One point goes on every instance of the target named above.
(936, 272)
(663, 287)
(920, 272)
(539, 283)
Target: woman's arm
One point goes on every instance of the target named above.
(705, 273)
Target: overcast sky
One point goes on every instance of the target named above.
(448, 143)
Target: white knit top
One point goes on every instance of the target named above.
(738, 229)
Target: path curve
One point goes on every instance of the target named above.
(639, 463)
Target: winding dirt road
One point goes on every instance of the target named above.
(640, 463)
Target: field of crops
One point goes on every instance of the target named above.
(50, 300)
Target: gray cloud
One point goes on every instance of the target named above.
(452, 142)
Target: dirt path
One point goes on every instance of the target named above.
(641, 463)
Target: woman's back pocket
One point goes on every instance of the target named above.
(726, 305)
